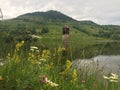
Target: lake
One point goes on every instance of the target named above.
(107, 63)
(101, 56)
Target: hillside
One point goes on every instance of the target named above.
(49, 26)
(45, 19)
(49, 15)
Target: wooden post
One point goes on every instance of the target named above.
(66, 42)
(65, 37)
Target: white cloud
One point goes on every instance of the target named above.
(100, 11)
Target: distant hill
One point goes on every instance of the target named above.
(49, 15)
(54, 19)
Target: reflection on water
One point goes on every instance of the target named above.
(108, 63)
(109, 48)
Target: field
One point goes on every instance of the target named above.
(32, 56)
(41, 69)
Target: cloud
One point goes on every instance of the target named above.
(99, 11)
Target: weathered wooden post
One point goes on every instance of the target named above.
(66, 41)
(65, 37)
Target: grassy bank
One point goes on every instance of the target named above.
(43, 70)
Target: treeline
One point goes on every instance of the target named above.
(10, 36)
(103, 31)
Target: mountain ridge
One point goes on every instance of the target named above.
(48, 15)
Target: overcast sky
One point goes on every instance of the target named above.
(99, 11)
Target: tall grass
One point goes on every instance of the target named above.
(43, 70)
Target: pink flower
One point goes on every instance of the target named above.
(43, 79)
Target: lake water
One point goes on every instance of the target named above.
(109, 63)
(101, 55)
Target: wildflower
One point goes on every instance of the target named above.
(43, 79)
(35, 36)
(18, 45)
(42, 59)
(60, 49)
(32, 55)
(112, 80)
(17, 59)
(51, 83)
(45, 54)
(1, 78)
(68, 64)
(74, 75)
(33, 47)
(37, 51)
(105, 77)
(112, 77)
(22, 42)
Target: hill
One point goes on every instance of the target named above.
(49, 25)
(49, 15)
(42, 19)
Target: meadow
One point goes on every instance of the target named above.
(41, 69)
(31, 60)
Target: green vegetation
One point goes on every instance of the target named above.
(49, 25)
(42, 70)
(41, 62)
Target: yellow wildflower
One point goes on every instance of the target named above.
(22, 42)
(18, 45)
(74, 75)
(32, 55)
(17, 59)
(68, 64)
(44, 51)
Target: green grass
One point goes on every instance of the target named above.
(29, 72)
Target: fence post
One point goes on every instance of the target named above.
(66, 42)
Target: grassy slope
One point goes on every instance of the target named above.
(78, 40)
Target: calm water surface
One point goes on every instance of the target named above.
(109, 63)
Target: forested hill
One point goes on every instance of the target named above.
(49, 15)
(36, 21)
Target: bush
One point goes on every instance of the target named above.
(45, 30)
